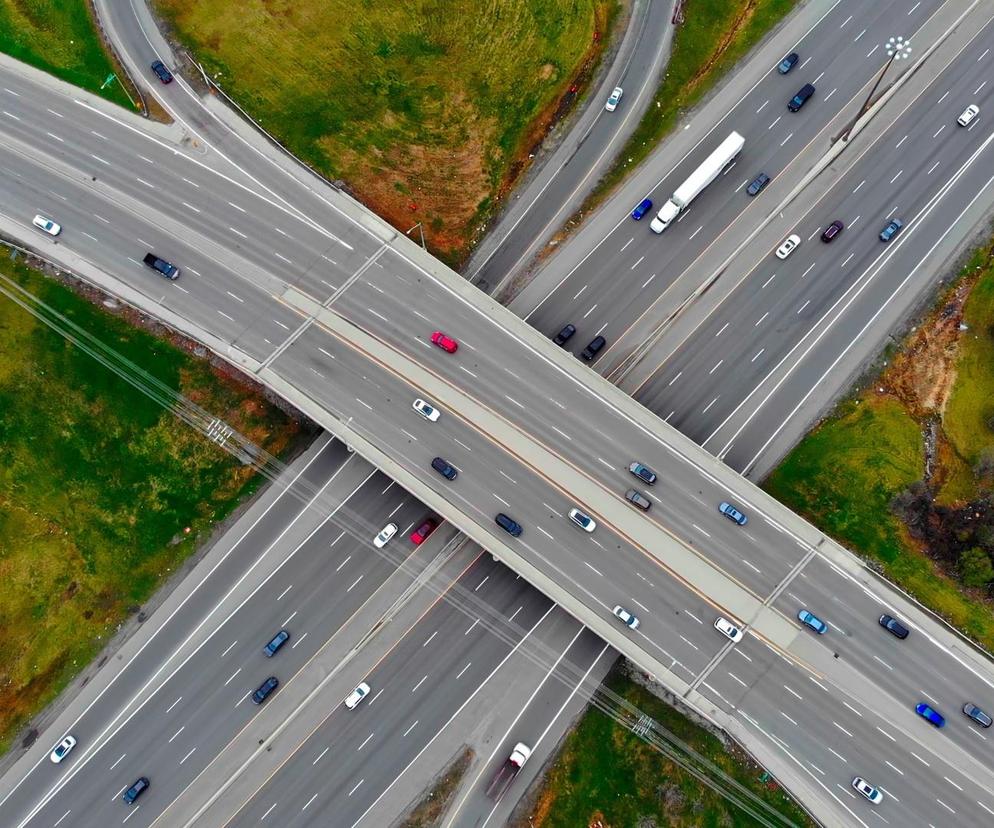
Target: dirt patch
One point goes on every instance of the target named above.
(922, 374)
(429, 811)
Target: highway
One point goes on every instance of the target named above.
(382, 293)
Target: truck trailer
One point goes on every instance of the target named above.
(698, 180)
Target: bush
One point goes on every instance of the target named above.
(975, 567)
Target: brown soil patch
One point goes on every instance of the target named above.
(439, 186)
(922, 374)
(722, 45)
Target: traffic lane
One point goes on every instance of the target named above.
(180, 187)
(920, 667)
(297, 189)
(882, 305)
(207, 696)
(773, 139)
(839, 741)
(569, 419)
(408, 704)
(477, 495)
(536, 726)
(856, 697)
(330, 463)
(887, 187)
(201, 293)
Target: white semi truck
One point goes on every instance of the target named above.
(699, 179)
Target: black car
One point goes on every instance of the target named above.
(278, 641)
(977, 714)
(893, 626)
(508, 525)
(267, 687)
(801, 97)
(788, 63)
(161, 72)
(136, 790)
(593, 348)
(167, 269)
(447, 471)
(563, 336)
(758, 183)
(832, 230)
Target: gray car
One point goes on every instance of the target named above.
(636, 498)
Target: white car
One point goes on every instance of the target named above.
(626, 618)
(612, 102)
(865, 788)
(47, 225)
(429, 412)
(583, 520)
(785, 249)
(62, 749)
(357, 696)
(971, 112)
(728, 629)
(386, 533)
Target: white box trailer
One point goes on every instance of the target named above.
(698, 180)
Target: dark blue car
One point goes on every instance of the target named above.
(788, 63)
(645, 205)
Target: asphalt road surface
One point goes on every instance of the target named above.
(212, 292)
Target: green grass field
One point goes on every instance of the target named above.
(714, 37)
(58, 36)
(844, 474)
(98, 487)
(605, 773)
(421, 106)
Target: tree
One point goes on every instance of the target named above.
(975, 567)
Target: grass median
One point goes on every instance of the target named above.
(103, 494)
(426, 110)
(59, 37)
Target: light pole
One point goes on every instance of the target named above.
(897, 48)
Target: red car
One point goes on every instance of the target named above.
(444, 342)
(420, 535)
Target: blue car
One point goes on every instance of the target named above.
(892, 229)
(788, 63)
(645, 205)
(729, 511)
(812, 621)
(278, 641)
(933, 717)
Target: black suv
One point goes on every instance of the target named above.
(267, 687)
(593, 348)
(136, 790)
(893, 626)
(161, 72)
(447, 471)
(799, 99)
(566, 332)
(508, 525)
(170, 271)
